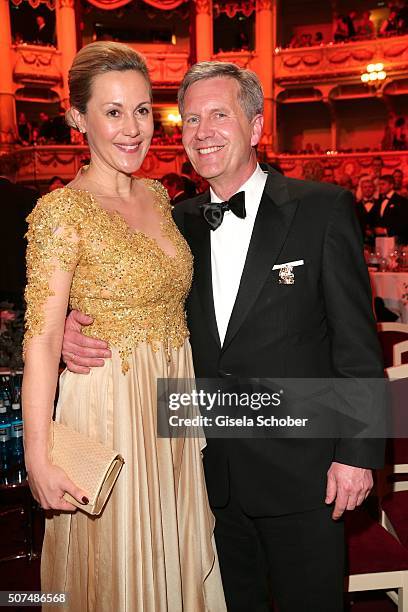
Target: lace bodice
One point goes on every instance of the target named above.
(134, 291)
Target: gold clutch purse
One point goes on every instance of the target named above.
(90, 465)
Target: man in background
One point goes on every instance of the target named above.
(16, 203)
(175, 187)
(190, 185)
(399, 186)
(366, 205)
(391, 212)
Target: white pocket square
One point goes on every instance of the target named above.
(298, 262)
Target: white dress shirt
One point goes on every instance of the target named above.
(229, 247)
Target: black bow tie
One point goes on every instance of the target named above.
(213, 212)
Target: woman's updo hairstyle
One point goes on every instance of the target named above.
(95, 59)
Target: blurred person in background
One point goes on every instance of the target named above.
(403, 16)
(190, 178)
(366, 28)
(390, 26)
(175, 187)
(60, 131)
(346, 182)
(44, 127)
(328, 176)
(387, 139)
(18, 202)
(399, 184)
(350, 21)
(44, 34)
(294, 41)
(391, 211)
(377, 168)
(365, 206)
(340, 29)
(318, 39)
(55, 183)
(24, 130)
(399, 135)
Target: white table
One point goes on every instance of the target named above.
(392, 287)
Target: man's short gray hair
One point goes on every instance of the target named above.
(251, 95)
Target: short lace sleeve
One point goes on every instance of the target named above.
(53, 244)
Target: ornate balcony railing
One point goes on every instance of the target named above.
(39, 164)
(36, 65)
(339, 61)
(344, 165)
(166, 68)
(243, 59)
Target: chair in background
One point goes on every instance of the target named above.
(391, 334)
(400, 353)
(377, 559)
(394, 504)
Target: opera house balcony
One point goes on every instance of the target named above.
(166, 68)
(340, 62)
(243, 59)
(35, 64)
(40, 163)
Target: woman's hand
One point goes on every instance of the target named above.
(48, 483)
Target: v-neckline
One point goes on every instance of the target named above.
(115, 215)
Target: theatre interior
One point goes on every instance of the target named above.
(335, 80)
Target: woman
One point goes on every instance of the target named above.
(106, 244)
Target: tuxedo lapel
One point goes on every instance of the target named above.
(198, 236)
(273, 221)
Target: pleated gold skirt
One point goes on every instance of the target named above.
(152, 548)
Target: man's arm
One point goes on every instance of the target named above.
(355, 349)
(80, 352)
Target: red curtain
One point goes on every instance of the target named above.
(110, 5)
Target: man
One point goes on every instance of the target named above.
(391, 212)
(175, 187)
(365, 206)
(187, 173)
(45, 127)
(275, 501)
(399, 186)
(59, 130)
(43, 35)
(377, 167)
(17, 203)
(328, 176)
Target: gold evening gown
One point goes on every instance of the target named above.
(151, 549)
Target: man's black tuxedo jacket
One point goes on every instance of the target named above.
(395, 217)
(320, 326)
(366, 219)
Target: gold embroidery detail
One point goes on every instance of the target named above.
(134, 291)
